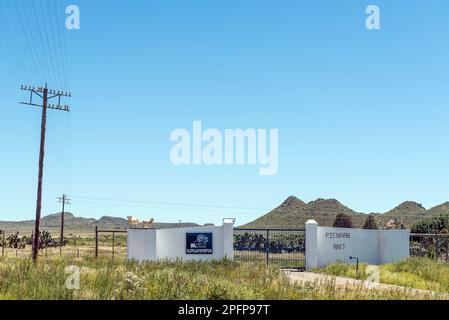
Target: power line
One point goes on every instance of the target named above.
(103, 201)
(173, 210)
(170, 203)
(35, 51)
(9, 28)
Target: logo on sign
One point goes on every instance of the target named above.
(199, 243)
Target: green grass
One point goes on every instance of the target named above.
(108, 279)
(418, 273)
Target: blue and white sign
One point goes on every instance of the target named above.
(199, 243)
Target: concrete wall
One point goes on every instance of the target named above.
(394, 245)
(170, 244)
(141, 244)
(326, 245)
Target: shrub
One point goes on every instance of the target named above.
(432, 225)
(371, 223)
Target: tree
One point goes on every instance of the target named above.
(343, 221)
(371, 223)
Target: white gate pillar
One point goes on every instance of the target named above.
(228, 238)
(311, 244)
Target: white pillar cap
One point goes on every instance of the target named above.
(228, 220)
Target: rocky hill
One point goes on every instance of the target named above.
(293, 213)
(440, 209)
(408, 213)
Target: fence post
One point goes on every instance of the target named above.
(3, 243)
(447, 249)
(32, 242)
(267, 249)
(96, 242)
(113, 244)
(436, 247)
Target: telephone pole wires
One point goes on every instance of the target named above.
(45, 95)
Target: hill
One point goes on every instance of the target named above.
(293, 213)
(79, 225)
(407, 213)
(439, 210)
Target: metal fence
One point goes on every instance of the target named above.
(3, 241)
(433, 246)
(283, 247)
(110, 243)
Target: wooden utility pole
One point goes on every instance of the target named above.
(64, 200)
(45, 94)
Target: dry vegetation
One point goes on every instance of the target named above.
(418, 273)
(106, 278)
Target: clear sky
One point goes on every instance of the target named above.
(362, 115)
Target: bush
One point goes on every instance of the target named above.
(432, 225)
(343, 221)
(371, 223)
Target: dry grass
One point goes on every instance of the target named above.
(415, 272)
(109, 279)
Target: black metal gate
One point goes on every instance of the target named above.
(283, 247)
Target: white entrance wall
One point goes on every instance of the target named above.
(170, 244)
(326, 245)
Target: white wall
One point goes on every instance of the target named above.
(326, 245)
(394, 245)
(170, 244)
(353, 242)
(141, 244)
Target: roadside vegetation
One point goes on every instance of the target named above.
(438, 224)
(415, 272)
(110, 279)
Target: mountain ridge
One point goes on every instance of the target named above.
(74, 224)
(293, 213)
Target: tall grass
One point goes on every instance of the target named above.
(109, 279)
(415, 272)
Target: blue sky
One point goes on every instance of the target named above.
(362, 115)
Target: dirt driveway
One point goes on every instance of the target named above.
(342, 282)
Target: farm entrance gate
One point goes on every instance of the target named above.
(283, 247)
(109, 239)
